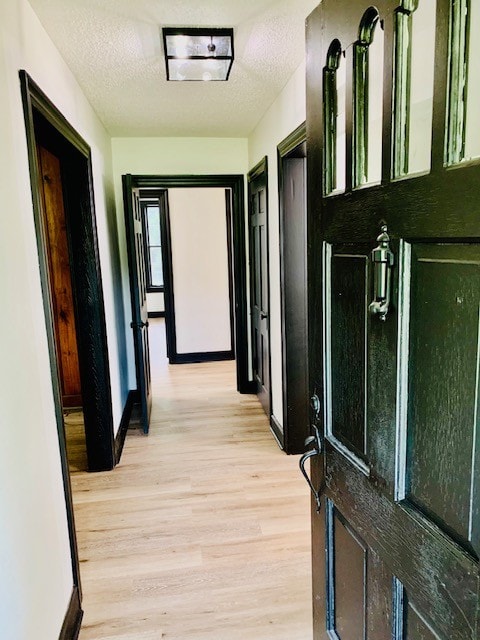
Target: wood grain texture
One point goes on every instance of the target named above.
(60, 279)
(350, 270)
(202, 531)
(92, 334)
(444, 399)
(421, 386)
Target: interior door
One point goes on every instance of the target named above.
(138, 293)
(394, 289)
(51, 191)
(259, 283)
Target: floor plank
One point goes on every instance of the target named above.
(202, 531)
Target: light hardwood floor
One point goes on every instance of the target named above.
(202, 531)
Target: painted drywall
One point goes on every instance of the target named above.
(198, 225)
(284, 116)
(168, 156)
(36, 575)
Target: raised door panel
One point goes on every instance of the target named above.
(400, 458)
(442, 435)
(348, 329)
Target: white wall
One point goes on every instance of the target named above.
(169, 156)
(35, 566)
(283, 117)
(198, 226)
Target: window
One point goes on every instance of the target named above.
(368, 100)
(153, 244)
(334, 80)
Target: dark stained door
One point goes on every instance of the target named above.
(51, 192)
(294, 300)
(397, 541)
(259, 282)
(138, 293)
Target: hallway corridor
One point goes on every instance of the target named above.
(202, 531)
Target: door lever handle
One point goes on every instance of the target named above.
(316, 451)
(263, 315)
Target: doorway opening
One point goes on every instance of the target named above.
(198, 327)
(64, 216)
(292, 189)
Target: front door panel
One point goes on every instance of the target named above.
(396, 544)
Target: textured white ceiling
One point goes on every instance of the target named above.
(114, 49)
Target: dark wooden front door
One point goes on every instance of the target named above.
(397, 541)
(138, 292)
(259, 283)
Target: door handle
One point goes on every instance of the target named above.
(315, 406)
(139, 325)
(263, 315)
(316, 451)
(383, 259)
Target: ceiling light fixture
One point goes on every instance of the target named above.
(198, 54)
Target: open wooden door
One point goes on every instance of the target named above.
(61, 291)
(259, 281)
(394, 291)
(138, 292)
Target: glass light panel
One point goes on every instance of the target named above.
(341, 78)
(472, 133)
(199, 69)
(156, 266)
(421, 87)
(375, 106)
(153, 214)
(185, 46)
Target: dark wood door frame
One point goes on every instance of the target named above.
(260, 170)
(43, 118)
(295, 426)
(137, 267)
(236, 184)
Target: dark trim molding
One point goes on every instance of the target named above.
(231, 277)
(167, 262)
(277, 431)
(236, 184)
(292, 141)
(205, 356)
(156, 314)
(45, 124)
(251, 388)
(259, 169)
(73, 618)
(132, 398)
(295, 422)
